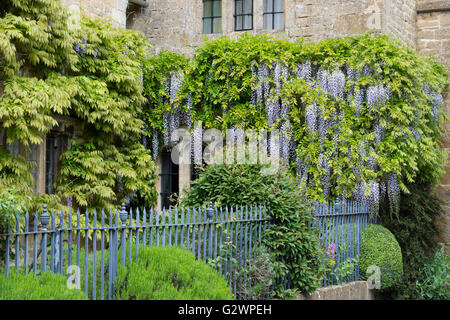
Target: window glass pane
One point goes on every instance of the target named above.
(248, 22)
(239, 23)
(268, 5)
(279, 21)
(207, 25)
(207, 9)
(268, 21)
(217, 25)
(217, 8)
(2, 138)
(248, 6)
(278, 5)
(238, 7)
(14, 148)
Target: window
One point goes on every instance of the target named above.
(243, 17)
(273, 15)
(56, 143)
(169, 179)
(212, 16)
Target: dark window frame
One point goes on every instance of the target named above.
(212, 17)
(273, 13)
(236, 15)
(173, 173)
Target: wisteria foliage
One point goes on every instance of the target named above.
(338, 105)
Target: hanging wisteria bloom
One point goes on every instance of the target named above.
(311, 117)
(336, 84)
(322, 79)
(285, 138)
(155, 144)
(272, 108)
(379, 132)
(166, 137)
(393, 192)
(197, 144)
(304, 71)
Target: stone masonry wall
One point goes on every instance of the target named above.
(115, 10)
(176, 25)
(433, 38)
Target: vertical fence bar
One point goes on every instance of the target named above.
(151, 226)
(69, 239)
(170, 226)
(163, 218)
(86, 254)
(78, 239)
(7, 248)
(194, 211)
(188, 227)
(25, 262)
(102, 258)
(210, 214)
(183, 223)
(157, 228)
(111, 255)
(17, 256)
(94, 256)
(199, 241)
(233, 224)
(44, 221)
(138, 226)
(61, 242)
(144, 225)
(130, 236)
(123, 219)
(176, 225)
(52, 244)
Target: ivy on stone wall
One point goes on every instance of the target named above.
(360, 117)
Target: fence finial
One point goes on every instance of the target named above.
(45, 218)
(210, 210)
(123, 214)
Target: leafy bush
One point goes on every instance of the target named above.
(416, 232)
(290, 240)
(45, 286)
(169, 273)
(380, 248)
(435, 278)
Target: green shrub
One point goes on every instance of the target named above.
(435, 278)
(416, 232)
(380, 248)
(169, 273)
(292, 242)
(45, 286)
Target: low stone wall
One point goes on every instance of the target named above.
(357, 290)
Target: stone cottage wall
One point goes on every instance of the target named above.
(433, 38)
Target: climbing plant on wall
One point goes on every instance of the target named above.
(359, 117)
(85, 70)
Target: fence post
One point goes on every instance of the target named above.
(45, 218)
(210, 214)
(123, 218)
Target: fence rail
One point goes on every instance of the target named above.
(96, 243)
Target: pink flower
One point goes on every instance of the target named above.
(446, 283)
